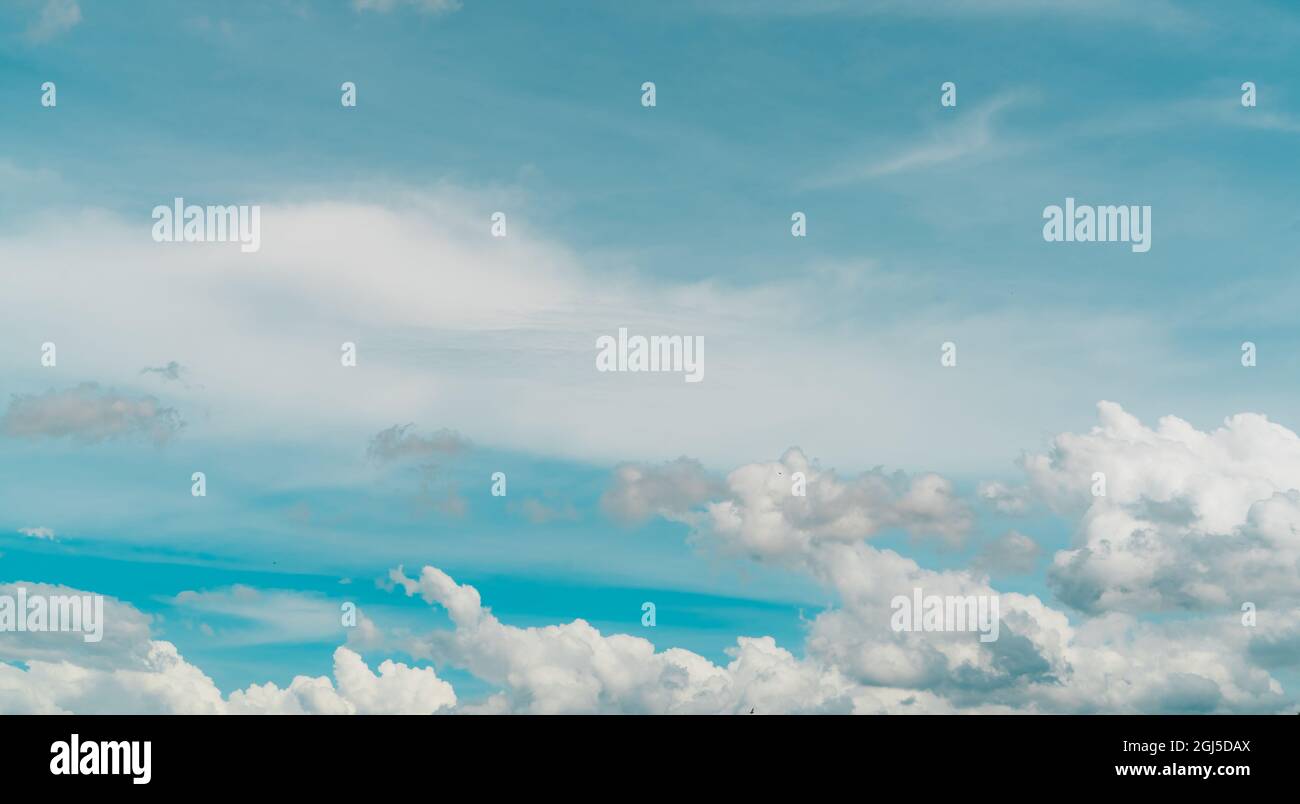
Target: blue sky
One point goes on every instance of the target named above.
(924, 226)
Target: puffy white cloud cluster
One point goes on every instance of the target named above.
(574, 668)
(1189, 519)
(758, 513)
(159, 682)
(396, 690)
(124, 640)
(856, 635)
(1041, 661)
(855, 663)
(129, 672)
(1120, 664)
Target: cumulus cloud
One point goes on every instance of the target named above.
(1185, 487)
(124, 641)
(396, 690)
(1190, 519)
(161, 682)
(131, 672)
(401, 442)
(126, 672)
(640, 491)
(1120, 664)
(854, 662)
(1041, 661)
(575, 668)
(857, 635)
(1188, 488)
(1275, 640)
(760, 515)
(756, 511)
(89, 414)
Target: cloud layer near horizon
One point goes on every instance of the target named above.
(1230, 484)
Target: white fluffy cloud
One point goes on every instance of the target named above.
(854, 662)
(130, 672)
(574, 668)
(1226, 494)
(1189, 519)
(124, 641)
(396, 690)
(759, 515)
(1041, 661)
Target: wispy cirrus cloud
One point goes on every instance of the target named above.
(246, 615)
(972, 135)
